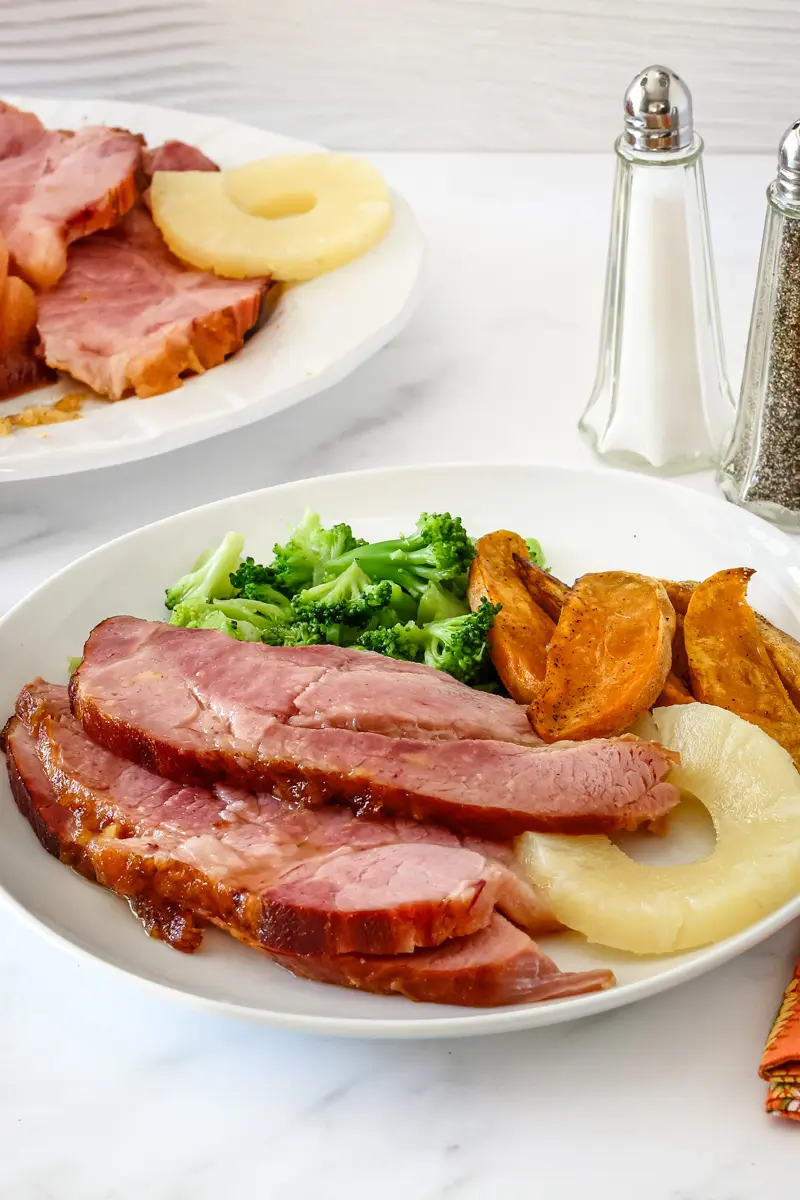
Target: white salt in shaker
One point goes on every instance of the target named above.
(661, 400)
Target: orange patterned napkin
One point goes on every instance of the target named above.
(780, 1066)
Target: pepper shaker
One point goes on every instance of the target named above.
(761, 468)
(661, 400)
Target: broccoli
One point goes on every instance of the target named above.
(350, 598)
(456, 645)
(314, 633)
(256, 582)
(73, 664)
(535, 552)
(197, 614)
(437, 604)
(439, 549)
(301, 562)
(398, 641)
(210, 577)
(262, 617)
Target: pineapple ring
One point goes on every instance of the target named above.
(291, 217)
(751, 789)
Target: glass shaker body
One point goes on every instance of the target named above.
(661, 400)
(760, 469)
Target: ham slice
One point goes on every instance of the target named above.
(175, 156)
(128, 316)
(57, 186)
(55, 778)
(297, 880)
(200, 707)
(499, 965)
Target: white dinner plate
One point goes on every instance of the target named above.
(586, 520)
(322, 330)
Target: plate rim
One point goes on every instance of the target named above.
(483, 1022)
(226, 420)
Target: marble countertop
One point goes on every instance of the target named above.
(109, 1094)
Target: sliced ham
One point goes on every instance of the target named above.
(175, 156)
(304, 881)
(497, 965)
(57, 186)
(199, 707)
(128, 316)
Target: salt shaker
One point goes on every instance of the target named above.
(761, 468)
(661, 400)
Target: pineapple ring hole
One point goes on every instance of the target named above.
(276, 208)
(690, 837)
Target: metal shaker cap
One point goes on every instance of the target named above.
(658, 111)
(787, 183)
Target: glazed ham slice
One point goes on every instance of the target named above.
(302, 881)
(497, 965)
(128, 316)
(175, 156)
(57, 186)
(199, 707)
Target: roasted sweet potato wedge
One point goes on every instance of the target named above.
(17, 314)
(548, 592)
(609, 658)
(680, 661)
(680, 593)
(551, 594)
(783, 649)
(522, 630)
(3, 264)
(674, 691)
(729, 663)
(785, 654)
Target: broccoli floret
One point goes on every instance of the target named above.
(439, 549)
(256, 582)
(257, 612)
(73, 664)
(350, 598)
(298, 633)
(196, 614)
(438, 604)
(209, 579)
(301, 562)
(458, 645)
(535, 552)
(398, 641)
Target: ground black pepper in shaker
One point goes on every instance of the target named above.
(760, 470)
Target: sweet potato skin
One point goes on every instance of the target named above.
(609, 658)
(522, 631)
(785, 654)
(729, 663)
(547, 591)
(674, 691)
(680, 593)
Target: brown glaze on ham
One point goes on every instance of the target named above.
(304, 881)
(57, 186)
(497, 965)
(128, 316)
(22, 370)
(199, 707)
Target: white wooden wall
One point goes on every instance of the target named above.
(418, 74)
